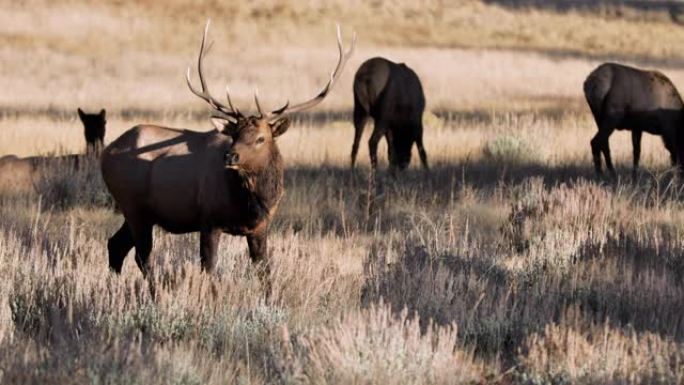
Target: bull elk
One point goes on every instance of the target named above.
(228, 180)
(627, 98)
(392, 95)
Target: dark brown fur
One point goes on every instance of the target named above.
(229, 180)
(224, 181)
(94, 127)
(392, 95)
(626, 98)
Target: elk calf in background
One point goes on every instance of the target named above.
(20, 174)
(627, 98)
(94, 130)
(392, 95)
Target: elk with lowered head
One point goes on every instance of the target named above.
(229, 180)
(627, 98)
(392, 95)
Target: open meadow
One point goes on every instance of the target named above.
(508, 263)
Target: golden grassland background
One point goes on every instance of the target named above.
(507, 263)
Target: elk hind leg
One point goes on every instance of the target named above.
(142, 235)
(360, 119)
(599, 145)
(373, 149)
(118, 247)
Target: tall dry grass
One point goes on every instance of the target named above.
(507, 263)
(490, 269)
(59, 55)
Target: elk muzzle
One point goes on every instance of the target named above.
(231, 159)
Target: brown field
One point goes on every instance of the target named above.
(508, 264)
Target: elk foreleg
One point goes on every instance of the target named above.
(389, 137)
(636, 149)
(422, 153)
(258, 253)
(671, 146)
(209, 241)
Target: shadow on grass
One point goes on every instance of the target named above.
(627, 282)
(327, 195)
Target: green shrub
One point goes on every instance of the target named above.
(510, 149)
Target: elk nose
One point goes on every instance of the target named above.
(231, 158)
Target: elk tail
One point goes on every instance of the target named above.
(363, 94)
(596, 88)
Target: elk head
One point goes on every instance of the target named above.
(254, 135)
(94, 130)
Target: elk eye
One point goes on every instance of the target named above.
(260, 140)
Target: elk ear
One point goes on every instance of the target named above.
(279, 126)
(220, 123)
(81, 114)
(103, 113)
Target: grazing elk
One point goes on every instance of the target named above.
(627, 98)
(94, 130)
(229, 180)
(21, 174)
(392, 95)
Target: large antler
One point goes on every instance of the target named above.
(220, 110)
(288, 109)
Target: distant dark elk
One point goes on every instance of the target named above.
(229, 180)
(21, 174)
(392, 95)
(94, 130)
(626, 98)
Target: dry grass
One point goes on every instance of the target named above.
(508, 263)
(482, 274)
(63, 54)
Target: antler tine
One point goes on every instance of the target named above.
(204, 94)
(344, 56)
(282, 109)
(230, 103)
(256, 101)
(200, 67)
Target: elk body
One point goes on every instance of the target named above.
(627, 98)
(20, 174)
(392, 95)
(229, 180)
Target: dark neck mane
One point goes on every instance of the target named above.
(262, 189)
(269, 182)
